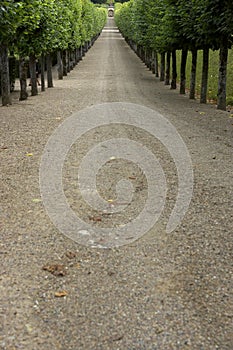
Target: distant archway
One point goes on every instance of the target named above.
(110, 12)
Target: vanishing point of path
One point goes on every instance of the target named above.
(161, 292)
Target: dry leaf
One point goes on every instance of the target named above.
(36, 200)
(61, 294)
(117, 338)
(95, 218)
(132, 177)
(70, 255)
(55, 269)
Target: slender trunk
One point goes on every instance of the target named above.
(80, 53)
(146, 57)
(153, 62)
(138, 51)
(76, 56)
(12, 71)
(49, 71)
(162, 67)
(59, 65)
(5, 77)
(64, 62)
(68, 61)
(184, 55)
(174, 70)
(72, 58)
(168, 68)
(83, 50)
(222, 77)
(42, 73)
(204, 81)
(33, 77)
(150, 59)
(193, 74)
(23, 69)
(156, 65)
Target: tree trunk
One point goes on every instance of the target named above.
(42, 73)
(68, 61)
(156, 65)
(153, 62)
(33, 77)
(64, 61)
(162, 67)
(49, 71)
(222, 76)
(174, 70)
(72, 58)
(168, 68)
(80, 53)
(204, 80)
(148, 58)
(23, 69)
(184, 55)
(139, 51)
(5, 77)
(59, 65)
(12, 71)
(83, 50)
(193, 74)
(76, 56)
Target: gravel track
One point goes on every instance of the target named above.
(164, 291)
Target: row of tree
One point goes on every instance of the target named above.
(155, 27)
(33, 30)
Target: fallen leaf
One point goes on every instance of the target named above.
(95, 218)
(201, 113)
(29, 154)
(61, 294)
(70, 255)
(132, 177)
(4, 147)
(117, 337)
(55, 269)
(36, 200)
(29, 327)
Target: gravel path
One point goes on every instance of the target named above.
(163, 291)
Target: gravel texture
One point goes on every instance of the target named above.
(164, 291)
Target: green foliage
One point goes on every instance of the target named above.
(92, 20)
(124, 19)
(37, 26)
(10, 18)
(173, 24)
